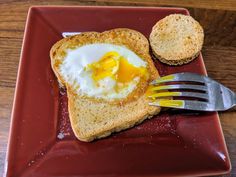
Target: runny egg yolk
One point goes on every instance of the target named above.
(117, 67)
(127, 72)
(105, 67)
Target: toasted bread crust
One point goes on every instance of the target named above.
(176, 39)
(92, 119)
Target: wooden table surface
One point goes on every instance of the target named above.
(218, 19)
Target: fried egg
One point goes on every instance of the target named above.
(103, 70)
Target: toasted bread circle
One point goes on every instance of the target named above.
(176, 39)
(91, 118)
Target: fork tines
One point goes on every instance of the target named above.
(194, 86)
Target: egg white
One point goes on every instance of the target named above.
(73, 70)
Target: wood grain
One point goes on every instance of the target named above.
(218, 19)
(209, 4)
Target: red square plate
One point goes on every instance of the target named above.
(42, 142)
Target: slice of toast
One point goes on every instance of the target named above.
(176, 39)
(91, 119)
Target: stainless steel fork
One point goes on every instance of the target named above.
(209, 95)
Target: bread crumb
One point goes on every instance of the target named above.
(60, 136)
